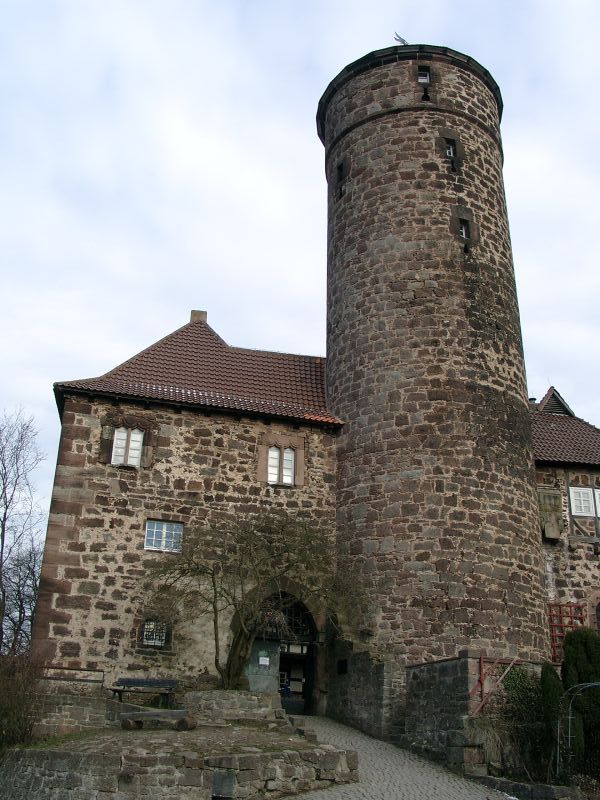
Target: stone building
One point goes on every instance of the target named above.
(414, 444)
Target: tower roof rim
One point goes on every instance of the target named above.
(389, 55)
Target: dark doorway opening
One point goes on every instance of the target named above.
(297, 656)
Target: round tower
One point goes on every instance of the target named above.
(436, 494)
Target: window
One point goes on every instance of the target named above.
(163, 536)
(423, 75)
(127, 447)
(281, 458)
(341, 174)
(464, 229)
(281, 465)
(582, 501)
(154, 633)
(450, 148)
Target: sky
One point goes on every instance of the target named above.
(161, 155)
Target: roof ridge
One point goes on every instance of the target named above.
(233, 348)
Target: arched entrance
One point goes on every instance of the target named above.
(297, 657)
(285, 654)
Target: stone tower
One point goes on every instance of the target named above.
(435, 487)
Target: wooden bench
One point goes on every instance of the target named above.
(164, 687)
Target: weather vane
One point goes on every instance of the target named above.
(399, 39)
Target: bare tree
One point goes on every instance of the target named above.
(246, 568)
(20, 523)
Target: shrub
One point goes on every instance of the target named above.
(524, 712)
(551, 693)
(19, 698)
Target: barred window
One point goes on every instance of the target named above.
(154, 633)
(165, 536)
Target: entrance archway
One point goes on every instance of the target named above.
(297, 659)
(285, 656)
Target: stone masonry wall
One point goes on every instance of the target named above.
(572, 562)
(202, 469)
(220, 704)
(43, 774)
(436, 502)
(65, 712)
(437, 705)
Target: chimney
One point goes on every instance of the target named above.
(198, 316)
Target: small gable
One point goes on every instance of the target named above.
(553, 403)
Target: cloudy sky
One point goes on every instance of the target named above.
(161, 155)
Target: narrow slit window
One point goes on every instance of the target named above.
(287, 475)
(423, 75)
(464, 229)
(273, 465)
(450, 148)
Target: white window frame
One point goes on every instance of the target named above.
(163, 536)
(597, 499)
(127, 447)
(423, 75)
(281, 466)
(581, 497)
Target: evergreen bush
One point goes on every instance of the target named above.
(581, 664)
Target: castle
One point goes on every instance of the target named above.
(471, 513)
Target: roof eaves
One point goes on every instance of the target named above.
(231, 405)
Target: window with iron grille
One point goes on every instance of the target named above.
(563, 617)
(154, 633)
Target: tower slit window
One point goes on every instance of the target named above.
(464, 229)
(423, 75)
(450, 148)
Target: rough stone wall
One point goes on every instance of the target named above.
(437, 705)
(65, 712)
(202, 468)
(435, 482)
(42, 774)
(220, 704)
(572, 562)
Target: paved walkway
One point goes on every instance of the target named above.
(389, 773)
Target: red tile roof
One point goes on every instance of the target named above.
(561, 437)
(193, 366)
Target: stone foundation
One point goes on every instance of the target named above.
(174, 773)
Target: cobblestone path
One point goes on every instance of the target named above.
(389, 773)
